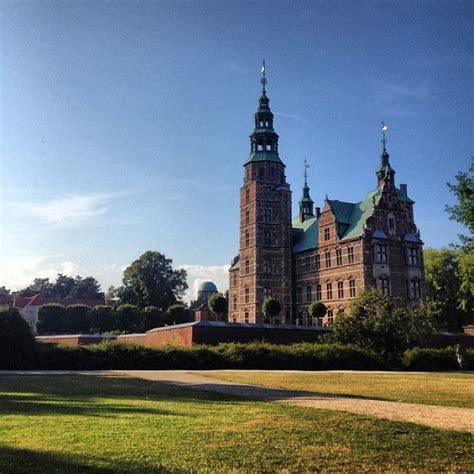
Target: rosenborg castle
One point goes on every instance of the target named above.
(330, 254)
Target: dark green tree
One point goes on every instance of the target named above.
(62, 286)
(50, 319)
(129, 318)
(39, 285)
(153, 317)
(317, 309)
(76, 319)
(271, 309)
(86, 289)
(463, 211)
(178, 314)
(151, 281)
(102, 319)
(218, 305)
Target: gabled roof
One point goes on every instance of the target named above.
(305, 234)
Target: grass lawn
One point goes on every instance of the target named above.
(117, 424)
(449, 389)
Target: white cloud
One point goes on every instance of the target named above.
(19, 272)
(197, 274)
(68, 210)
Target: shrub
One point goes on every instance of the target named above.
(76, 319)
(102, 319)
(17, 344)
(50, 319)
(178, 314)
(434, 359)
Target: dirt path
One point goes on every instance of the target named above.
(449, 418)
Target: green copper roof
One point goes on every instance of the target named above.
(264, 156)
(306, 234)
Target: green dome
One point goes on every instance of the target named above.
(207, 286)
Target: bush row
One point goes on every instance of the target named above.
(435, 359)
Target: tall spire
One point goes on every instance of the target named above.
(385, 173)
(306, 203)
(264, 140)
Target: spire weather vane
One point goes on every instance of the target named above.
(306, 166)
(384, 138)
(263, 80)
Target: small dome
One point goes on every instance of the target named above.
(207, 286)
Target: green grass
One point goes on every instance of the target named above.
(116, 424)
(448, 389)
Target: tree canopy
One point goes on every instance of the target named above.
(218, 304)
(317, 309)
(65, 287)
(271, 308)
(151, 281)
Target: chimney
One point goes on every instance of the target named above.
(318, 212)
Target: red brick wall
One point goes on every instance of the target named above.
(132, 338)
(179, 336)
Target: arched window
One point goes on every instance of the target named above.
(247, 196)
(246, 316)
(246, 295)
(350, 254)
(327, 255)
(340, 289)
(338, 257)
(234, 303)
(352, 288)
(247, 238)
(330, 314)
(329, 291)
(247, 216)
(318, 261)
(309, 294)
(247, 266)
(318, 292)
(391, 223)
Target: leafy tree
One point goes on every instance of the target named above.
(17, 344)
(39, 285)
(128, 317)
(271, 309)
(463, 211)
(449, 286)
(102, 319)
(76, 319)
(153, 317)
(111, 296)
(317, 309)
(62, 286)
(86, 289)
(377, 323)
(50, 319)
(151, 281)
(178, 314)
(218, 305)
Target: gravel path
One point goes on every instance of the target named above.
(449, 418)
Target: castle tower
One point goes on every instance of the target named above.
(306, 203)
(264, 265)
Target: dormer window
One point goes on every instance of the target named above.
(327, 233)
(391, 223)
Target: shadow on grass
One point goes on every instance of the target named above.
(14, 460)
(91, 395)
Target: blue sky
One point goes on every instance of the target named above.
(124, 125)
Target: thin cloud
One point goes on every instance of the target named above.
(294, 117)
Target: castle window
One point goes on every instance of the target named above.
(267, 215)
(329, 291)
(340, 310)
(415, 289)
(247, 216)
(267, 293)
(259, 147)
(235, 279)
(318, 292)
(267, 265)
(327, 233)
(247, 196)
(327, 255)
(340, 289)
(381, 253)
(413, 257)
(312, 263)
(309, 294)
(269, 148)
(234, 303)
(384, 285)
(391, 223)
(246, 295)
(318, 261)
(339, 257)
(330, 314)
(352, 288)
(299, 294)
(246, 317)
(350, 254)
(267, 238)
(247, 266)
(234, 320)
(247, 238)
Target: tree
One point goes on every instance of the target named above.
(50, 319)
(76, 319)
(463, 211)
(62, 286)
(218, 305)
(39, 285)
(449, 287)
(153, 317)
(86, 289)
(151, 281)
(128, 318)
(378, 323)
(102, 319)
(271, 309)
(317, 309)
(178, 314)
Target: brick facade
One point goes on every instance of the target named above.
(330, 255)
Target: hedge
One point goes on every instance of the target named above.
(120, 356)
(435, 359)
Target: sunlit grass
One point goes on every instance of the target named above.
(112, 424)
(448, 389)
